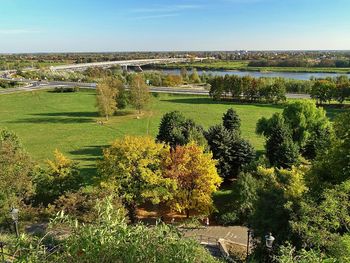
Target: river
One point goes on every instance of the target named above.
(256, 74)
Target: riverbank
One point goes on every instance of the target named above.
(243, 66)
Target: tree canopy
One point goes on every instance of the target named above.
(196, 179)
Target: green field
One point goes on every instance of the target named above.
(243, 66)
(46, 121)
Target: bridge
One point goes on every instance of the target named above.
(124, 63)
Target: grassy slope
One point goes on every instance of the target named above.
(243, 65)
(45, 121)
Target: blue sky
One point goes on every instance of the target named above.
(155, 25)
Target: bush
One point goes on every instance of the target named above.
(66, 89)
(227, 219)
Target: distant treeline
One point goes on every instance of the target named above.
(325, 63)
(274, 89)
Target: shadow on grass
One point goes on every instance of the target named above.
(332, 112)
(206, 101)
(85, 114)
(123, 113)
(60, 117)
(89, 152)
(53, 120)
(89, 175)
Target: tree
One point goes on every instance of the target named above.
(216, 87)
(184, 74)
(132, 167)
(175, 129)
(322, 90)
(231, 151)
(309, 127)
(281, 151)
(278, 195)
(61, 176)
(323, 224)
(231, 120)
(196, 178)
(342, 90)
(333, 166)
(122, 96)
(139, 92)
(194, 77)
(219, 141)
(16, 170)
(107, 91)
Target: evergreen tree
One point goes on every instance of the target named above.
(175, 130)
(231, 151)
(280, 148)
(231, 120)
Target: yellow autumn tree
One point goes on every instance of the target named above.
(196, 179)
(60, 177)
(106, 95)
(132, 166)
(139, 92)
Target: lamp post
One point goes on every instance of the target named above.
(2, 244)
(248, 243)
(269, 239)
(14, 215)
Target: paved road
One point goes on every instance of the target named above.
(135, 62)
(41, 85)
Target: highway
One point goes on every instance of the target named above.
(43, 85)
(124, 63)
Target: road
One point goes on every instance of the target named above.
(135, 62)
(42, 85)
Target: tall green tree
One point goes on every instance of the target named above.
(16, 170)
(309, 126)
(175, 129)
(231, 120)
(139, 92)
(106, 96)
(322, 91)
(281, 151)
(231, 151)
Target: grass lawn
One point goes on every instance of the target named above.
(46, 121)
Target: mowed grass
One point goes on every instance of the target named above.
(46, 121)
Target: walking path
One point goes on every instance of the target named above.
(235, 234)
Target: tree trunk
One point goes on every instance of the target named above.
(187, 213)
(131, 207)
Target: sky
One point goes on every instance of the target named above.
(173, 25)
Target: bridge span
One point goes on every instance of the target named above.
(124, 63)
